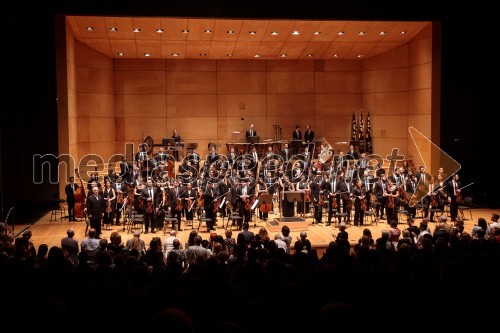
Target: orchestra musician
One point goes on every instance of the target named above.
(261, 187)
(379, 190)
(209, 197)
(189, 203)
(287, 207)
(121, 193)
(303, 185)
(296, 135)
(360, 205)
(175, 195)
(285, 152)
(70, 189)
(149, 195)
(409, 189)
(245, 195)
(309, 137)
(251, 131)
(330, 189)
(391, 194)
(272, 186)
(352, 153)
(95, 207)
(453, 192)
(194, 159)
(345, 188)
(110, 196)
(315, 188)
(367, 180)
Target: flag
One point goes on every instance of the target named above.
(361, 136)
(368, 136)
(354, 130)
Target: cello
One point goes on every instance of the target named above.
(79, 198)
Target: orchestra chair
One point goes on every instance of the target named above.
(465, 205)
(370, 212)
(402, 215)
(57, 210)
(168, 220)
(420, 210)
(136, 222)
(201, 219)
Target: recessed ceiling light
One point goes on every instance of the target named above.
(207, 31)
(175, 54)
(113, 29)
(147, 54)
(230, 32)
(283, 55)
(335, 56)
(403, 32)
(309, 55)
(360, 56)
(203, 54)
(382, 33)
(317, 32)
(185, 31)
(121, 54)
(160, 30)
(274, 33)
(361, 33)
(89, 28)
(137, 30)
(296, 32)
(252, 32)
(229, 54)
(256, 55)
(340, 33)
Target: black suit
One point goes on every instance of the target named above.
(254, 133)
(70, 199)
(309, 136)
(95, 212)
(149, 218)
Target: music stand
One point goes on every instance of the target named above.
(292, 196)
(264, 199)
(253, 139)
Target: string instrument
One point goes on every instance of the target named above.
(248, 203)
(402, 194)
(108, 206)
(149, 207)
(178, 204)
(79, 198)
(120, 199)
(434, 202)
(307, 195)
(390, 201)
(458, 196)
(363, 205)
(200, 202)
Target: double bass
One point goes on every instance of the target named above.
(80, 201)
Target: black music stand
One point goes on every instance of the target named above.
(293, 196)
(265, 198)
(295, 146)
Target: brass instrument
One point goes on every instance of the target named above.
(326, 151)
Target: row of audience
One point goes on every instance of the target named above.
(254, 282)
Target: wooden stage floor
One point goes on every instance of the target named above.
(320, 235)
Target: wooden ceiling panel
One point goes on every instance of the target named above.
(293, 50)
(282, 28)
(242, 44)
(96, 23)
(127, 47)
(223, 26)
(124, 28)
(252, 26)
(196, 49)
(246, 50)
(149, 46)
(148, 28)
(221, 49)
(173, 29)
(197, 30)
(270, 50)
(169, 48)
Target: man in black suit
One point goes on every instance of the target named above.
(251, 131)
(352, 153)
(70, 197)
(296, 135)
(95, 210)
(309, 137)
(286, 153)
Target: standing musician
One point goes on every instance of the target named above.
(272, 187)
(176, 205)
(286, 153)
(360, 205)
(70, 189)
(138, 203)
(121, 194)
(287, 207)
(261, 187)
(345, 188)
(303, 185)
(209, 198)
(454, 195)
(148, 196)
(194, 159)
(109, 194)
(159, 210)
(391, 194)
(438, 195)
(315, 187)
(410, 189)
(379, 190)
(309, 137)
(331, 190)
(245, 195)
(95, 207)
(189, 200)
(367, 180)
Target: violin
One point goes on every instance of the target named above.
(248, 204)
(363, 203)
(80, 201)
(434, 202)
(458, 197)
(308, 196)
(149, 208)
(390, 201)
(120, 199)
(108, 206)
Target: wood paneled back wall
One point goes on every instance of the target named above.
(115, 101)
